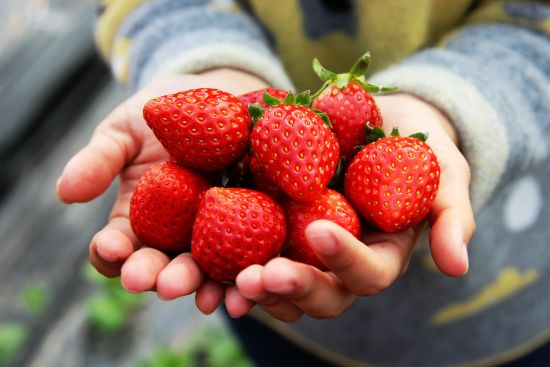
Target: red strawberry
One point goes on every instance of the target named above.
(332, 206)
(296, 148)
(346, 100)
(349, 109)
(163, 206)
(257, 96)
(263, 183)
(393, 182)
(235, 228)
(204, 129)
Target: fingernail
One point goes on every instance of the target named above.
(465, 256)
(108, 253)
(323, 241)
(57, 191)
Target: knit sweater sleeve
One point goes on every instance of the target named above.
(492, 78)
(143, 40)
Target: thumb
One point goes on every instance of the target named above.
(365, 270)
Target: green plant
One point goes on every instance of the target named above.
(111, 305)
(211, 347)
(12, 337)
(34, 299)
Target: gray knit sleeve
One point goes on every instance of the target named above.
(188, 36)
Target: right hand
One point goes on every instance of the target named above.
(124, 146)
(362, 268)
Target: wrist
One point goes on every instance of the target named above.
(245, 80)
(413, 114)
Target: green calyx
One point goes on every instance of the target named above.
(356, 73)
(300, 99)
(377, 134)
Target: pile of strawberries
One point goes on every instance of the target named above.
(248, 173)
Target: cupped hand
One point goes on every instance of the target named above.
(287, 289)
(123, 146)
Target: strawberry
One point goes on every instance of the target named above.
(347, 101)
(332, 206)
(235, 228)
(296, 148)
(393, 181)
(163, 206)
(263, 183)
(205, 129)
(257, 96)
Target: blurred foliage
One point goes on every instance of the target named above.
(211, 347)
(110, 306)
(12, 337)
(166, 357)
(34, 299)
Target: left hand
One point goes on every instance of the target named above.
(124, 146)
(287, 289)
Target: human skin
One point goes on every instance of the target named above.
(123, 146)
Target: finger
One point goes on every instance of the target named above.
(250, 285)
(111, 246)
(365, 270)
(453, 223)
(281, 308)
(179, 278)
(235, 303)
(90, 172)
(318, 294)
(140, 271)
(209, 296)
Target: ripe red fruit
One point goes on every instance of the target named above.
(257, 96)
(205, 129)
(346, 100)
(297, 150)
(350, 109)
(235, 228)
(332, 206)
(393, 182)
(263, 183)
(163, 206)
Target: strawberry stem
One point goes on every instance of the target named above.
(324, 117)
(421, 136)
(324, 74)
(376, 134)
(269, 100)
(361, 66)
(303, 98)
(356, 73)
(256, 111)
(373, 88)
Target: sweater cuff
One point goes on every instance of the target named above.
(167, 37)
(177, 56)
(482, 137)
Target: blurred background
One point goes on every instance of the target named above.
(55, 310)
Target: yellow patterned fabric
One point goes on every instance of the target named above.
(390, 30)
